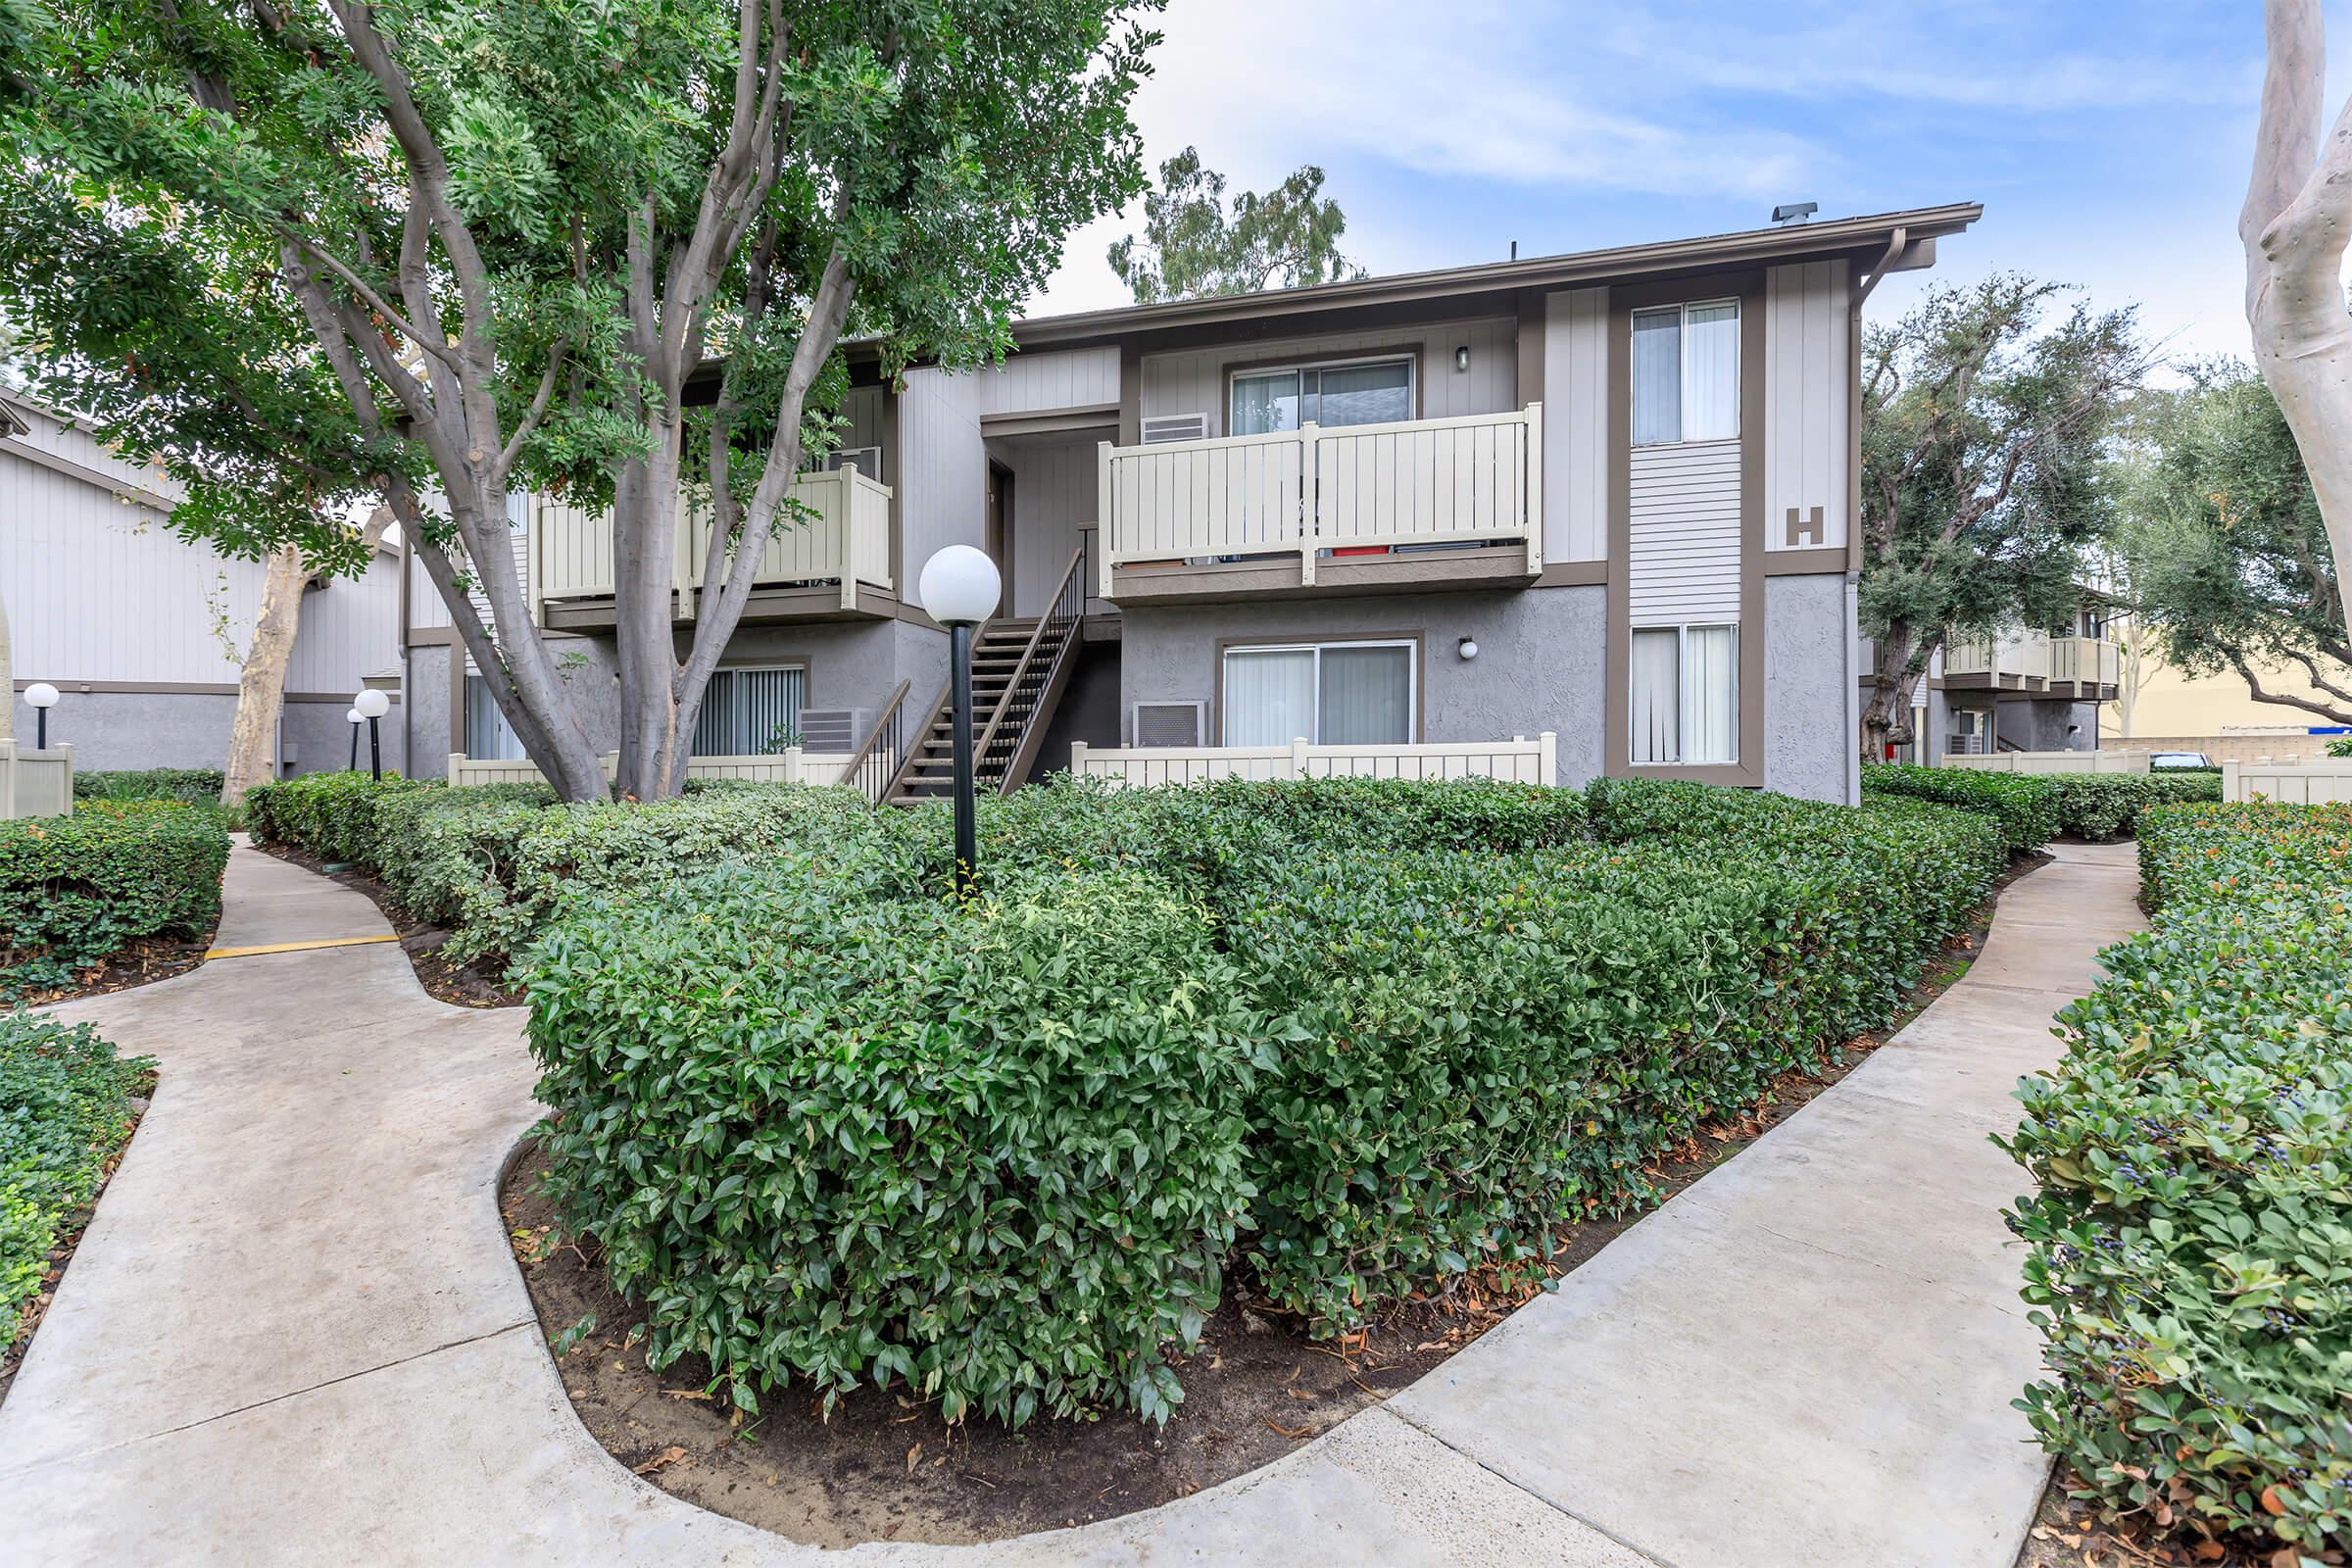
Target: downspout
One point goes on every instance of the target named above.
(8, 681)
(1897, 243)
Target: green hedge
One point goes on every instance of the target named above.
(64, 1111)
(332, 815)
(1365, 1036)
(2090, 806)
(993, 1153)
(2192, 1244)
(75, 890)
(192, 786)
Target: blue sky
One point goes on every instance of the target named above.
(2109, 142)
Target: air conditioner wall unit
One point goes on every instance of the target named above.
(1170, 724)
(1164, 428)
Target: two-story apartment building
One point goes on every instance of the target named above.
(144, 633)
(1603, 497)
(2024, 690)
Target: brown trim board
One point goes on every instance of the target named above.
(1821, 561)
(1616, 745)
(177, 688)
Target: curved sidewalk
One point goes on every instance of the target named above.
(294, 1332)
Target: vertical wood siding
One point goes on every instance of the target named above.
(1807, 362)
(1192, 381)
(1682, 560)
(1575, 422)
(943, 468)
(1054, 378)
(1054, 497)
(99, 588)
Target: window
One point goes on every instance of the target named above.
(1330, 694)
(1686, 696)
(750, 713)
(489, 738)
(1687, 373)
(1370, 392)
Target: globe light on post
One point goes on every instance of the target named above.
(43, 697)
(356, 718)
(958, 589)
(372, 705)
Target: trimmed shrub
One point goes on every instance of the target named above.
(2025, 804)
(332, 815)
(63, 1112)
(991, 1153)
(75, 890)
(2191, 1256)
(192, 786)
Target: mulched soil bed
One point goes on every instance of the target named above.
(2068, 1534)
(11, 1356)
(144, 961)
(457, 984)
(887, 1468)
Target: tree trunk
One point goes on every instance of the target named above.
(1887, 714)
(262, 684)
(2295, 225)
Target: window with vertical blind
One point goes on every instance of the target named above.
(1329, 694)
(750, 713)
(1686, 372)
(1370, 392)
(1685, 708)
(489, 738)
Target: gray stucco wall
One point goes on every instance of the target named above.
(427, 711)
(1539, 664)
(112, 730)
(1809, 749)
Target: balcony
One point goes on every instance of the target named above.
(1421, 504)
(830, 561)
(2086, 668)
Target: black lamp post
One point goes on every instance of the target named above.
(372, 706)
(43, 697)
(958, 589)
(356, 717)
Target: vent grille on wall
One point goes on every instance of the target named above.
(833, 729)
(1175, 427)
(1170, 723)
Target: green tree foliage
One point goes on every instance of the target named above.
(1288, 237)
(314, 255)
(1984, 476)
(2230, 560)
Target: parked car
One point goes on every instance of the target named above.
(2160, 761)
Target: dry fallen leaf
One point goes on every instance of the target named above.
(668, 1456)
(687, 1393)
(914, 1457)
(2271, 1503)
(1287, 1432)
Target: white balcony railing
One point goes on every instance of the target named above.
(1349, 488)
(2036, 657)
(2085, 662)
(845, 541)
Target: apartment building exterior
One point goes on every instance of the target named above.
(2023, 689)
(143, 633)
(1605, 499)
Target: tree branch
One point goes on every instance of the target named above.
(367, 296)
(531, 416)
(2283, 699)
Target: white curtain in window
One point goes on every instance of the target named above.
(1657, 376)
(1711, 405)
(1656, 696)
(1367, 696)
(489, 738)
(1265, 404)
(1269, 695)
(1711, 716)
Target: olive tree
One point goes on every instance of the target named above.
(1985, 473)
(321, 255)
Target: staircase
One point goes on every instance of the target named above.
(1020, 669)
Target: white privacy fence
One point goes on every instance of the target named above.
(36, 783)
(792, 765)
(1518, 760)
(1365, 487)
(2319, 783)
(2052, 763)
(842, 537)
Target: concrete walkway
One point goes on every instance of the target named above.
(294, 1332)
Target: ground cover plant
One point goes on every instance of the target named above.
(64, 1113)
(75, 890)
(192, 786)
(1358, 1038)
(2090, 806)
(2191, 1242)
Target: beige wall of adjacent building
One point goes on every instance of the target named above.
(2170, 703)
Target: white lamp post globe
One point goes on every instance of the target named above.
(371, 705)
(40, 693)
(960, 586)
(353, 715)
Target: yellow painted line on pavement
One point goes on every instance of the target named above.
(296, 947)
